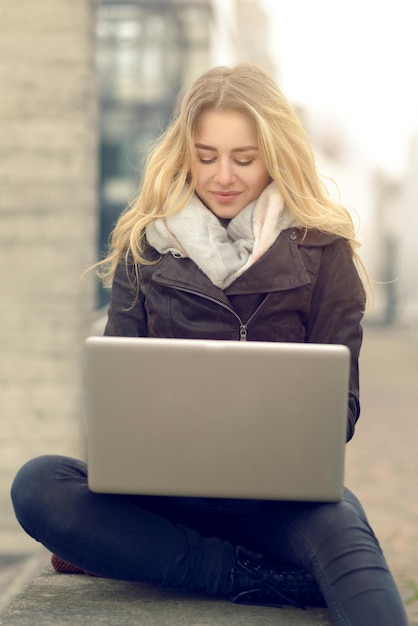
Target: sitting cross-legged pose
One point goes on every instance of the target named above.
(232, 235)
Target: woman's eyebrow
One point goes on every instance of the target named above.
(203, 146)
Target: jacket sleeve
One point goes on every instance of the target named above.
(126, 315)
(338, 302)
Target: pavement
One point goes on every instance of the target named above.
(381, 468)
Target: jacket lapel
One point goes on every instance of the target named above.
(279, 269)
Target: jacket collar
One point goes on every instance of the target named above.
(280, 268)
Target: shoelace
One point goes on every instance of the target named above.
(269, 591)
(274, 586)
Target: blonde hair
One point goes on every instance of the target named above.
(284, 147)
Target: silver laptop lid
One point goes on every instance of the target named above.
(216, 419)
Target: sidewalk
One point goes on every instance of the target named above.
(382, 469)
(58, 600)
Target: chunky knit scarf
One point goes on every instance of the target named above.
(222, 252)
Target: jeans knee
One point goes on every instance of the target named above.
(34, 486)
(342, 531)
(347, 513)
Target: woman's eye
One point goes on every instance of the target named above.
(244, 163)
(211, 160)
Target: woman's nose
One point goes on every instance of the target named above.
(224, 174)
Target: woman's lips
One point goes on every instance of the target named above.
(225, 196)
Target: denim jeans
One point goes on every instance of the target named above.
(158, 540)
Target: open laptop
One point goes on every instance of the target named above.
(216, 418)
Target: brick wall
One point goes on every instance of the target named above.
(48, 215)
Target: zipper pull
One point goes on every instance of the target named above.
(243, 332)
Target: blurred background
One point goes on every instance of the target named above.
(85, 85)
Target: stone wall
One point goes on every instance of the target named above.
(48, 222)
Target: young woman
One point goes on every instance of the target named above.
(232, 237)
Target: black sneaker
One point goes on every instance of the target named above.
(256, 582)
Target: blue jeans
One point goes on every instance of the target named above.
(159, 540)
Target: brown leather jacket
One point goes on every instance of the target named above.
(301, 290)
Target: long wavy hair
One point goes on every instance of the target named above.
(169, 175)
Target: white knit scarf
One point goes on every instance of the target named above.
(222, 252)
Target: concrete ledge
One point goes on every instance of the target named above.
(52, 599)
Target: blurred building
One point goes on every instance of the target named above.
(383, 207)
(407, 242)
(146, 51)
(392, 240)
(253, 35)
(48, 220)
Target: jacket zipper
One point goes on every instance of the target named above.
(243, 332)
(243, 328)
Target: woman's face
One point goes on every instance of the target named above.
(230, 170)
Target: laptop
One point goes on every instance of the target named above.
(224, 419)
